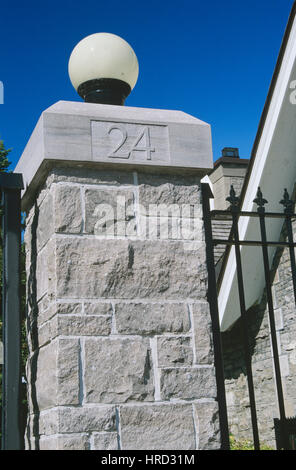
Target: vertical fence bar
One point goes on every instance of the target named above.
(289, 212)
(261, 211)
(248, 359)
(213, 302)
(272, 325)
(292, 253)
(11, 185)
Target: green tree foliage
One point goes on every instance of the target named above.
(245, 444)
(4, 162)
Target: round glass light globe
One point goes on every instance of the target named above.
(103, 55)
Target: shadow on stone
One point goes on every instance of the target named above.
(32, 330)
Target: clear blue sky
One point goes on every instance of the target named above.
(213, 59)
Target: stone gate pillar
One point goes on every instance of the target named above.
(121, 353)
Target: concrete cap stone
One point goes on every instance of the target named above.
(84, 134)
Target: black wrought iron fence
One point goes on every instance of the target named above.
(285, 427)
(10, 187)
(290, 426)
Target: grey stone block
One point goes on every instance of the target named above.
(90, 325)
(204, 351)
(75, 325)
(207, 423)
(46, 384)
(68, 209)
(46, 332)
(43, 277)
(130, 142)
(157, 427)
(165, 227)
(39, 223)
(58, 374)
(109, 211)
(48, 423)
(45, 314)
(105, 441)
(187, 383)
(87, 174)
(97, 308)
(174, 351)
(86, 418)
(151, 318)
(129, 269)
(89, 268)
(67, 371)
(62, 442)
(82, 133)
(48, 443)
(169, 190)
(131, 366)
(117, 340)
(42, 225)
(67, 308)
(77, 419)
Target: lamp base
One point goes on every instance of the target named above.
(104, 91)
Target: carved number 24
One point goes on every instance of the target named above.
(135, 147)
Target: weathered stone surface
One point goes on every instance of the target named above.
(97, 308)
(66, 132)
(168, 189)
(58, 374)
(42, 226)
(46, 333)
(45, 308)
(88, 267)
(48, 443)
(187, 383)
(39, 222)
(88, 325)
(68, 308)
(170, 228)
(109, 211)
(157, 427)
(62, 442)
(131, 366)
(43, 304)
(46, 384)
(129, 269)
(173, 351)
(204, 350)
(207, 423)
(105, 441)
(132, 385)
(151, 318)
(87, 418)
(77, 419)
(68, 209)
(74, 325)
(67, 371)
(45, 315)
(91, 175)
(48, 423)
(42, 274)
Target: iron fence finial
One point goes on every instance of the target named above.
(233, 199)
(287, 203)
(260, 201)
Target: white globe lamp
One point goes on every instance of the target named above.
(103, 68)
